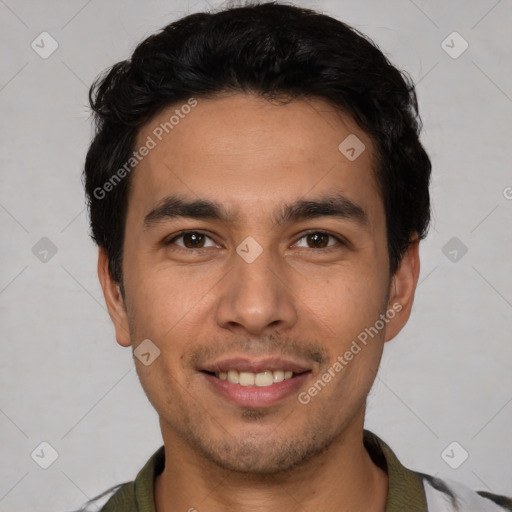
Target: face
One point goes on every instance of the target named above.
(255, 249)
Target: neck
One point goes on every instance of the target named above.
(343, 478)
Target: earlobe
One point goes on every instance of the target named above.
(403, 288)
(114, 300)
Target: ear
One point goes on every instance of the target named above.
(114, 300)
(403, 287)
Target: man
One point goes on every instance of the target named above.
(258, 192)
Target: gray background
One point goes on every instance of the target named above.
(64, 380)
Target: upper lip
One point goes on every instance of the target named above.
(244, 364)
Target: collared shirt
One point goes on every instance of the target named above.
(408, 491)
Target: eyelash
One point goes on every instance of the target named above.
(311, 232)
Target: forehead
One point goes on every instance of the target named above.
(248, 153)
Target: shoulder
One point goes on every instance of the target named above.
(139, 494)
(422, 492)
(134, 495)
(119, 498)
(449, 495)
(124, 499)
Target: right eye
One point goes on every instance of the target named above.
(191, 240)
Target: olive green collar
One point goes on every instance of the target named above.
(405, 491)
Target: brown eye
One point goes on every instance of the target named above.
(319, 240)
(191, 240)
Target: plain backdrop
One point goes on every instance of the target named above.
(64, 380)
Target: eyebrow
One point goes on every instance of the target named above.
(334, 205)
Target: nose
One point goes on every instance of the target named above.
(255, 298)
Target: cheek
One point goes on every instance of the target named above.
(346, 299)
(162, 388)
(165, 304)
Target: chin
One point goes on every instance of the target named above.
(265, 457)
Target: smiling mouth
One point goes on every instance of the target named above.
(261, 379)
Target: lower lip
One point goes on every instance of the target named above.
(255, 396)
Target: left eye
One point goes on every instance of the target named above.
(319, 239)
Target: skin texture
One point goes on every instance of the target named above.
(300, 298)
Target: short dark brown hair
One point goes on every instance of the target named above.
(275, 50)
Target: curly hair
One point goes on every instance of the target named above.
(276, 51)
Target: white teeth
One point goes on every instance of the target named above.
(246, 379)
(278, 376)
(261, 379)
(264, 379)
(233, 376)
